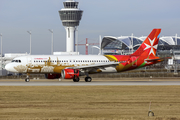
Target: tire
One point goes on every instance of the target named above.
(76, 80)
(27, 80)
(88, 79)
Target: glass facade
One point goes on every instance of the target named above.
(136, 41)
(71, 4)
(114, 45)
(70, 18)
(125, 43)
(70, 15)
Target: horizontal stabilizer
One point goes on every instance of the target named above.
(157, 59)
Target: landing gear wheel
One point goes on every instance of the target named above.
(27, 80)
(88, 79)
(76, 79)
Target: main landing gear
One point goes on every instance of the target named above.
(88, 79)
(76, 79)
(27, 78)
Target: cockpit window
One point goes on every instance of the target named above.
(17, 61)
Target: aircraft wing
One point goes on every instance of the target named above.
(157, 59)
(96, 66)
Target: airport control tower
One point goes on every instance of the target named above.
(70, 16)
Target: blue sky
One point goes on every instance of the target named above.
(100, 17)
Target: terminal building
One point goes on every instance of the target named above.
(128, 44)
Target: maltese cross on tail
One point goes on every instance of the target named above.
(151, 46)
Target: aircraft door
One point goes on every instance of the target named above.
(29, 61)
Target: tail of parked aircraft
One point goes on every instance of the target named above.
(150, 44)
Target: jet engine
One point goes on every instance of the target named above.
(70, 73)
(52, 76)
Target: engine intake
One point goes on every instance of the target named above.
(69, 73)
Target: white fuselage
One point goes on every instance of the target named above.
(48, 63)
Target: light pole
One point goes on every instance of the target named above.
(76, 39)
(100, 40)
(132, 43)
(1, 53)
(30, 40)
(52, 42)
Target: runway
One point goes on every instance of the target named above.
(93, 83)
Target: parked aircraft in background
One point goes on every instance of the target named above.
(71, 67)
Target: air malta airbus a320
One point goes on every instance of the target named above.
(71, 67)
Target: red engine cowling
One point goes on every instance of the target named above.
(52, 76)
(69, 73)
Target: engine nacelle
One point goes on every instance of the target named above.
(69, 73)
(52, 76)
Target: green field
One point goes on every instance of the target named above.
(93, 102)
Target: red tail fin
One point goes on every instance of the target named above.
(150, 44)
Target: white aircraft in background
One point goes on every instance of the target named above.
(71, 67)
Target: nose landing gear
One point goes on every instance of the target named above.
(27, 78)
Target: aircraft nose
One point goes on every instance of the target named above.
(10, 67)
(7, 67)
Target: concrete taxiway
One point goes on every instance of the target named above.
(93, 83)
